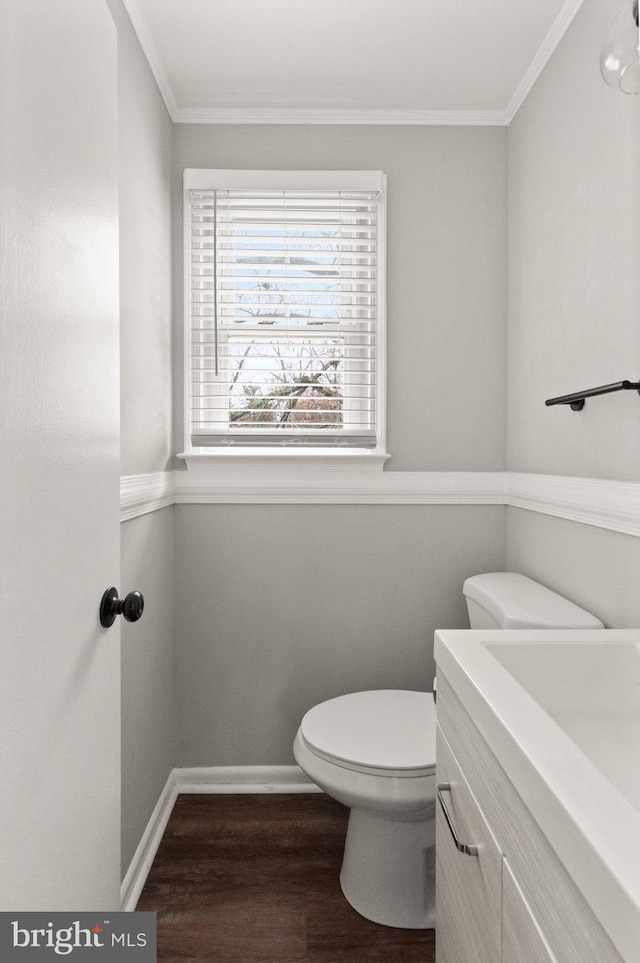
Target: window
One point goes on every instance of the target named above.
(284, 319)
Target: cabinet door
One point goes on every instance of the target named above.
(468, 886)
(522, 940)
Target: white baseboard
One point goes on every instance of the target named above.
(215, 779)
(243, 779)
(148, 846)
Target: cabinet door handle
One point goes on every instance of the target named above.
(461, 847)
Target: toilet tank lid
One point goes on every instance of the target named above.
(517, 602)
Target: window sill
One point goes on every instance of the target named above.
(226, 460)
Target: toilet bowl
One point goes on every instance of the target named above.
(374, 751)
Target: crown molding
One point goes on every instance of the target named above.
(286, 115)
(558, 29)
(312, 115)
(150, 50)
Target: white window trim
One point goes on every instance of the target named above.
(249, 458)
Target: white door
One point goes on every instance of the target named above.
(59, 454)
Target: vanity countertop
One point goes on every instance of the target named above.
(560, 710)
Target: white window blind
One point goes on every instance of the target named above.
(283, 315)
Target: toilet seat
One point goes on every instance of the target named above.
(382, 732)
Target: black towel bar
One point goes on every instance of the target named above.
(576, 400)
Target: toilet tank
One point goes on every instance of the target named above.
(507, 600)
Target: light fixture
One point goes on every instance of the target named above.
(619, 58)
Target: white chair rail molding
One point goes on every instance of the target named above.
(285, 479)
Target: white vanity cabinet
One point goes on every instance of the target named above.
(522, 938)
(502, 894)
(468, 870)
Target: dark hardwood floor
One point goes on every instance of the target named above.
(254, 878)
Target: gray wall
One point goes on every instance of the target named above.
(574, 296)
(446, 272)
(593, 567)
(574, 283)
(147, 673)
(145, 136)
(280, 606)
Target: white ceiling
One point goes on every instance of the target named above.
(349, 61)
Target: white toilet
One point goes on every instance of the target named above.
(374, 751)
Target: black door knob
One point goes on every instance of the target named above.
(131, 606)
